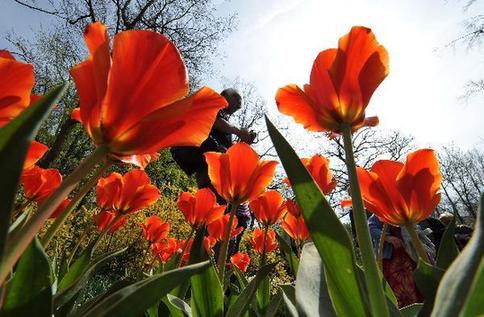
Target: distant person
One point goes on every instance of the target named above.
(462, 234)
(399, 259)
(192, 161)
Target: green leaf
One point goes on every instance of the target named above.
(427, 278)
(448, 250)
(81, 311)
(289, 297)
(29, 293)
(180, 304)
(241, 305)
(15, 140)
(455, 289)
(411, 310)
(288, 253)
(312, 297)
(274, 305)
(263, 295)
(134, 300)
(207, 294)
(240, 277)
(327, 232)
(474, 304)
(74, 283)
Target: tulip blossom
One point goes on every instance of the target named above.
(34, 153)
(269, 207)
(318, 167)
(185, 247)
(208, 243)
(402, 193)
(133, 99)
(295, 227)
(218, 228)
(201, 208)
(60, 209)
(104, 219)
(40, 183)
(341, 84)
(16, 83)
(240, 260)
(155, 229)
(126, 193)
(257, 241)
(239, 175)
(166, 249)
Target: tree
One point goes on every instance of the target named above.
(463, 183)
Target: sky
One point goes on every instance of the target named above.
(277, 40)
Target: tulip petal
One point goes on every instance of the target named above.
(146, 73)
(184, 123)
(35, 152)
(292, 101)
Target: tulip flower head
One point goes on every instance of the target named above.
(200, 209)
(16, 82)
(165, 249)
(126, 193)
(218, 228)
(295, 227)
(155, 229)
(40, 183)
(35, 152)
(239, 175)
(104, 221)
(269, 207)
(341, 84)
(318, 167)
(402, 193)
(257, 241)
(240, 260)
(133, 98)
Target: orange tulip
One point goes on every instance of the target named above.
(201, 208)
(105, 218)
(187, 248)
(166, 249)
(240, 260)
(218, 228)
(402, 194)
(133, 99)
(126, 194)
(318, 167)
(239, 175)
(16, 83)
(341, 84)
(40, 183)
(295, 227)
(155, 229)
(35, 152)
(257, 241)
(208, 243)
(269, 207)
(60, 209)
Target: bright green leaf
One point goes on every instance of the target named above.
(241, 305)
(455, 287)
(29, 293)
(448, 250)
(327, 232)
(15, 140)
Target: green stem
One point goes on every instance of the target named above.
(59, 221)
(416, 242)
(222, 257)
(378, 303)
(264, 242)
(185, 245)
(20, 240)
(381, 243)
(78, 244)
